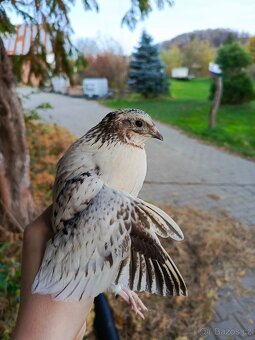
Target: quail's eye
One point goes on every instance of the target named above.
(139, 123)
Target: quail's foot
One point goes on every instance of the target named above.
(133, 299)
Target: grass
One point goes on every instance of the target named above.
(188, 110)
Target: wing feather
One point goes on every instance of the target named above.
(109, 237)
(165, 226)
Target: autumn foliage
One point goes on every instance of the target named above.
(112, 66)
(47, 143)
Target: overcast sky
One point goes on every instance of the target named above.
(184, 16)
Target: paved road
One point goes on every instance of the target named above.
(183, 171)
(191, 173)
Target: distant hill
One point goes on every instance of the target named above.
(215, 36)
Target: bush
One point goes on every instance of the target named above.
(233, 58)
(237, 85)
(10, 253)
(251, 71)
(237, 89)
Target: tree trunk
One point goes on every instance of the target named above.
(216, 102)
(16, 203)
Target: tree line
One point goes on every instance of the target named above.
(147, 70)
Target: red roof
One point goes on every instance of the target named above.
(20, 42)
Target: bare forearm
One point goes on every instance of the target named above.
(44, 319)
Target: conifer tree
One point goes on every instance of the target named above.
(146, 71)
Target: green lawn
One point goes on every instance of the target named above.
(188, 109)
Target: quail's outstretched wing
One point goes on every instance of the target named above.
(111, 238)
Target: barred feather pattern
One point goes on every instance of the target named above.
(106, 237)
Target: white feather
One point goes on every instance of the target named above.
(96, 217)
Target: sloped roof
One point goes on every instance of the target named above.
(20, 42)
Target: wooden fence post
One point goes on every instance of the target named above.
(216, 101)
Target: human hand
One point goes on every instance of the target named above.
(40, 317)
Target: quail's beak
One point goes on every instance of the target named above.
(156, 134)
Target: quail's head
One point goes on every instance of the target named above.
(131, 126)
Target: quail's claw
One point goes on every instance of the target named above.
(139, 313)
(124, 296)
(139, 302)
(132, 298)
